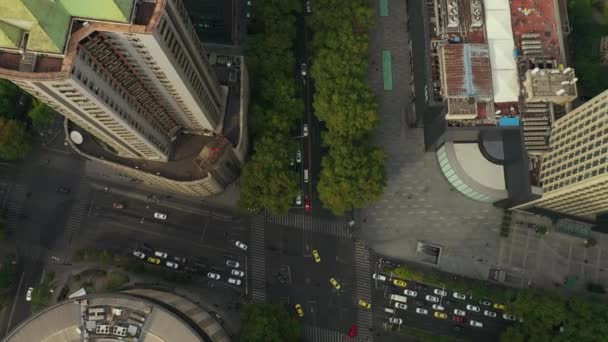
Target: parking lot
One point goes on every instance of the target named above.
(428, 308)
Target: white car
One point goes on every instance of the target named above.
(473, 308)
(440, 292)
(139, 254)
(459, 296)
(410, 293)
(485, 302)
(378, 276)
(422, 311)
(508, 317)
(28, 294)
(305, 130)
(160, 254)
(459, 312)
(438, 307)
(308, 7)
(303, 69)
(299, 156)
(431, 298)
(232, 263)
(401, 306)
(237, 273)
(233, 281)
(212, 275)
(489, 313)
(299, 200)
(160, 216)
(171, 264)
(476, 324)
(389, 310)
(241, 245)
(395, 320)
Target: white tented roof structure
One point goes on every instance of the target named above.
(500, 42)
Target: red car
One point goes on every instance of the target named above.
(307, 203)
(353, 331)
(458, 319)
(117, 205)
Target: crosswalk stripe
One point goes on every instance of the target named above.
(312, 333)
(77, 213)
(258, 259)
(313, 224)
(14, 207)
(66, 163)
(363, 289)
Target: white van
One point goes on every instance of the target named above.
(305, 175)
(399, 298)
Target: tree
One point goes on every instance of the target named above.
(41, 115)
(14, 139)
(2, 231)
(268, 323)
(9, 98)
(351, 177)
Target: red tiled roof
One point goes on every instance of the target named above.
(536, 16)
(467, 70)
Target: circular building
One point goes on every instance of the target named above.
(133, 315)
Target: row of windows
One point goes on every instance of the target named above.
(588, 200)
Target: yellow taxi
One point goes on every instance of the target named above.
(500, 306)
(315, 254)
(299, 310)
(364, 304)
(440, 315)
(399, 282)
(154, 260)
(335, 283)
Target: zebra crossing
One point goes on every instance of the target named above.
(32, 251)
(312, 224)
(14, 206)
(363, 289)
(258, 259)
(70, 163)
(313, 333)
(78, 211)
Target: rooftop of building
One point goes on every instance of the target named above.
(467, 70)
(47, 22)
(108, 317)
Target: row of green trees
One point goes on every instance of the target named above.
(267, 180)
(268, 323)
(352, 173)
(19, 114)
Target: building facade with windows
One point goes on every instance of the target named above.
(135, 77)
(574, 175)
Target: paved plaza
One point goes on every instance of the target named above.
(418, 204)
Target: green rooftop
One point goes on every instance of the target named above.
(48, 21)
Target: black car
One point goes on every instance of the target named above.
(420, 303)
(63, 190)
(421, 287)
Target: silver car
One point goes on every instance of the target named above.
(232, 263)
(395, 320)
(237, 273)
(233, 281)
(241, 245)
(431, 298)
(212, 275)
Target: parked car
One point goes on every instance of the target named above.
(212, 275)
(489, 313)
(440, 315)
(476, 324)
(458, 319)
(299, 156)
(432, 298)
(29, 293)
(379, 276)
(508, 317)
(364, 304)
(63, 190)
(139, 254)
(401, 306)
(422, 311)
(299, 200)
(305, 130)
(458, 295)
(389, 310)
(237, 273)
(171, 264)
(307, 204)
(241, 245)
(299, 310)
(410, 293)
(485, 302)
(352, 332)
(316, 256)
(473, 308)
(232, 263)
(438, 307)
(160, 216)
(440, 292)
(160, 254)
(499, 306)
(334, 283)
(154, 260)
(399, 282)
(117, 205)
(234, 281)
(395, 320)
(303, 69)
(459, 312)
